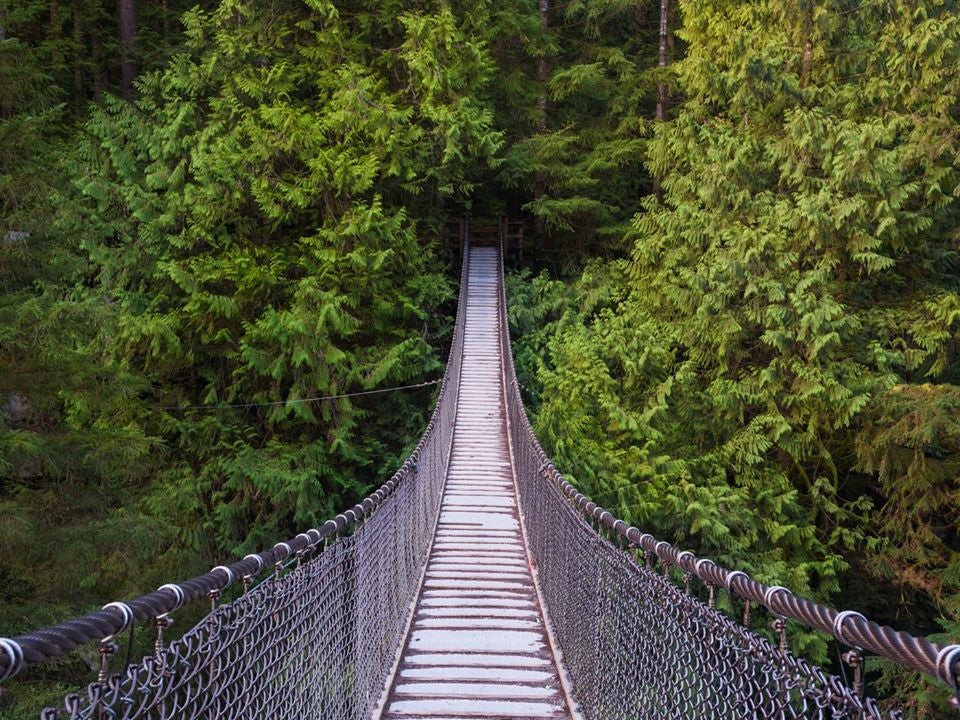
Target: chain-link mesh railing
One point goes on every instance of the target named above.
(638, 645)
(314, 639)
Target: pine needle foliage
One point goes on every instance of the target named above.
(263, 218)
(770, 377)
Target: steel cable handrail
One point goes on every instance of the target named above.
(848, 627)
(117, 617)
(595, 593)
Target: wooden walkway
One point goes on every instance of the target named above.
(477, 645)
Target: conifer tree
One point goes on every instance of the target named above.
(268, 209)
(73, 457)
(580, 162)
(787, 324)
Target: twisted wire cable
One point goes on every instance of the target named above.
(559, 517)
(314, 638)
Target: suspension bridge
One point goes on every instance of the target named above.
(476, 583)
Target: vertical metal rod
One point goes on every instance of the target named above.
(107, 648)
(780, 627)
(159, 649)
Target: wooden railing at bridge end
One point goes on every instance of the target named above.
(503, 232)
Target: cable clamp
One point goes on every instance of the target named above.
(178, 593)
(228, 571)
(127, 613)
(698, 565)
(771, 591)
(259, 560)
(12, 650)
(728, 582)
(842, 618)
(944, 665)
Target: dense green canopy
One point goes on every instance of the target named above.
(737, 326)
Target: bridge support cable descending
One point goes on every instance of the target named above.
(316, 625)
(478, 645)
(637, 644)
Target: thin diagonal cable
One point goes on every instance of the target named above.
(315, 638)
(274, 403)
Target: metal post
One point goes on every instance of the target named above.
(107, 648)
(159, 649)
(779, 626)
(502, 235)
(854, 658)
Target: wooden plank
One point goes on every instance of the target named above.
(478, 646)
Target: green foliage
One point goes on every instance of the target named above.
(255, 229)
(768, 380)
(910, 440)
(74, 458)
(581, 156)
(762, 365)
(618, 415)
(254, 232)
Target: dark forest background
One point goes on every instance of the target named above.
(737, 316)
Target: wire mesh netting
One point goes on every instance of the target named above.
(314, 640)
(317, 638)
(635, 644)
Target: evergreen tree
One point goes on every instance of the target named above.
(579, 156)
(257, 230)
(787, 324)
(73, 458)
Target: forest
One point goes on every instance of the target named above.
(736, 323)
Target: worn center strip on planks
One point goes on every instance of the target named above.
(478, 646)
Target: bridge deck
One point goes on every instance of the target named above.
(478, 646)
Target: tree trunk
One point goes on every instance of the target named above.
(543, 69)
(96, 56)
(128, 31)
(543, 75)
(166, 18)
(55, 18)
(806, 60)
(662, 57)
(4, 97)
(78, 54)
(55, 36)
(666, 42)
